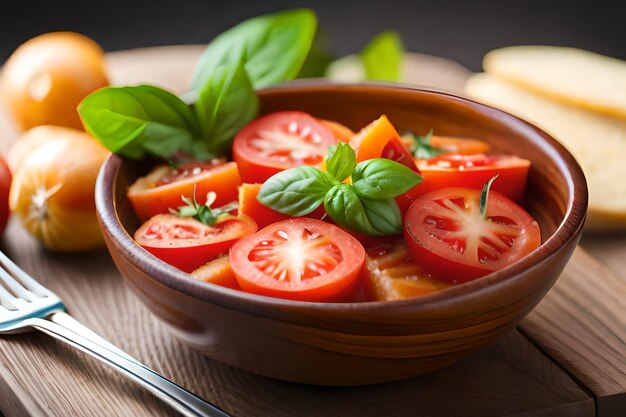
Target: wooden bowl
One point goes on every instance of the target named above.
(372, 342)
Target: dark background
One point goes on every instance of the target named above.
(461, 30)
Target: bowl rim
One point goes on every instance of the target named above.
(160, 271)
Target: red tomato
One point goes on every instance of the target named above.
(392, 274)
(163, 187)
(5, 185)
(299, 259)
(186, 243)
(341, 132)
(279, 141)
(380, 139)
(470, 171)
(446, 234)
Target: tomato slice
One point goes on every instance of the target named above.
(341, 132)
(380, 139)
(279, 141)
(392, 274)
(469, 171)
(217, 272)
(453, 144)
(186, 243)
(446, 234)
(299, 259)
(163, 187)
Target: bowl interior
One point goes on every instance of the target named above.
(556, 193)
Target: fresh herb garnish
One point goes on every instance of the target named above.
(203, 212)
(383, 57)
(421, 146)
(366, 206)
(139, 120)
(484, 197)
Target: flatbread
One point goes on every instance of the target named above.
(597, 142)
(572, 76)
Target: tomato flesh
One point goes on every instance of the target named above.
(186, 243)
(280, 141)
(217, 272)
(446, 234)
(392, 274)
(299, 259)
(163, 187)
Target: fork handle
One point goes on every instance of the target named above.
(177, 397)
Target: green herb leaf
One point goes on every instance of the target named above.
(381, 178)
(133, 121)
(376, 218)
(383, 57)
(225, 104)
(274, 48)
(484, 197)
(422, 148)
(296, 191)
(341, 161)
(203, 212)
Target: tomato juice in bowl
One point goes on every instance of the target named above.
(362, 342)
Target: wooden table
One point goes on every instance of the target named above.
(567, 358)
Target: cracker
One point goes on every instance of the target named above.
(572, 76)
(597, 142)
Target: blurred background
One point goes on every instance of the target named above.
(460, 30)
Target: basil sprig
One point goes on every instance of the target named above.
(366, 206)
(383, 57)
(203, 212)
(422, 148)
(144, 119)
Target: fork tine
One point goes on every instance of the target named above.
(14, 286)
(7, 299)
(23, 277)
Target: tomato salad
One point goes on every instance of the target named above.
(309, 210)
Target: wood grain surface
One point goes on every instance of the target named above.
(566, 357)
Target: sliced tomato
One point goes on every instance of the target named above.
(447, 235)
(392, 274)
(380, 139)
(453, 144)
(163, 187)
(469, 171)
(299, 259)
(279, 141)
(217, 272)
(341, 132)
(186, 243)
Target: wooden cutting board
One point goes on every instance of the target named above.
(567, 358)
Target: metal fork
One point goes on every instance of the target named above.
(27, 305)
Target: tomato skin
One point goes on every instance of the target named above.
(380, 139)
(148, 198)
(279, 141)
(187, 244)
(440, 226)
(332, 261)
(5, 185)
(451, 170)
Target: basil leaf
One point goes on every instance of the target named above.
(381, 178)
(133, 121)
(341, 161)
(484, 197)
(422, 148)
(296, 191)
(225, 104)
(383, 57)
(274, 46)
(318, 60)
(376, 218)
